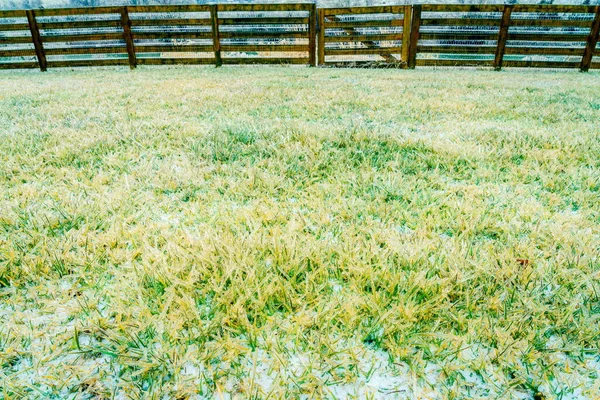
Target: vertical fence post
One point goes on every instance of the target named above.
(407, 21)
(126, 24)
(502, 36)
(592, 41)
(321, 34)
(312, 35)
(414, 36)
(37, 40)
(214, 16)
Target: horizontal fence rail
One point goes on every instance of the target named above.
(363, 35)
(407, 36)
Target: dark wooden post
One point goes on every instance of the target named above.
(502, 36)
(126, 24)
(312, 35)
(406, 33)
(37, 40)
(321, 44)
(214, 16)
(592, 40)
(414, 36)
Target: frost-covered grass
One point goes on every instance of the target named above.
(272, 232)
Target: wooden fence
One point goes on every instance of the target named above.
(554, 36)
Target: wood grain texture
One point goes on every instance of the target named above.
(214, 17)
(592, 41)
(128, 37)
(94, 62)
(312, 39)
(502, 36)
(321, 37)
(414, 36)
(37, 40)
(406, 24)
(113, 23)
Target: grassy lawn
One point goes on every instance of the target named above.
(271, 232)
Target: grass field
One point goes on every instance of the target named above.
(278, 232)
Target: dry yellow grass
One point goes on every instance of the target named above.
(271, 232)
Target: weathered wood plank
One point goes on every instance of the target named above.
(363, 38)
(171, 22)
(312, 33)
(453, 63)
(367, 64)
(88, 63)
(378, 23)
(170, 8)
(257, 60)
(463, 7)
(216, 34)
(321, 37)
(19, 65)
(265, 35)
(266, 7)
(172, 35)
(456, 49)
(37, 40)
(53, 12)
(175, 61)
(15, 39)
(378, 50)
(175, 49)
(264, 21)
(113, 23)
(592, 41)
(406, 24)
(546, 37)
(86, 50)
(265, 47)
(17, 52)
(554, 51)
(363, 10)
(541, 64)
(551, 23)
(14, 27)
(502, 36)
(127, 36)
(414, 36)
(460, 22)
(74, 37)
(12, 14)
(553, 8)
(457, 35)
